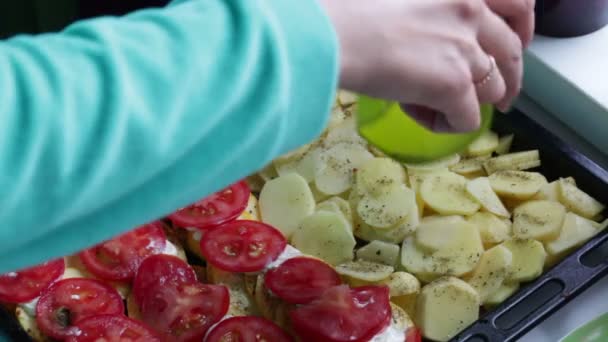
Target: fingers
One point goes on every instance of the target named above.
(519, 14)
(488, 80)
(498, 40)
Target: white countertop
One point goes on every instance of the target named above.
(568, 78)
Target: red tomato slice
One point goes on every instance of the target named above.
(112, 328)
(413, 335)
(160, 269)
(343, 314)
(119, 258)
(27, 284)
(69, 301)
(301, 280)
(184, 312)
(221, 207)
(247, 329)
(242, 246)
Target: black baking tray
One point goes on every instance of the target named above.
(537, 300)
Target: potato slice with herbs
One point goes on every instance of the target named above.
(504, 144)
(481, 190)
(438, 232)
(334, 173)
(285, 201)
(540, 220)
(388, 208)
(518, 161)
(302, 162)
(550, 191)
(485, 144)
(578, 201)
(439, 164)
(362, 272)
(491, 272)
(468, 166)
(506, 290)
(517, 184)
(379, 174)
(528, 259)
(445, 307)
(379, 251)
(327, 236)
(402, 284)
(575, 231)
(446, 194)
(337, 202)
(492, 229)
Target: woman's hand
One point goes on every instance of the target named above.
(436, 54)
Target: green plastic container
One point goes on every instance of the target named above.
(386, 126)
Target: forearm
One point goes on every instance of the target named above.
(115, 122)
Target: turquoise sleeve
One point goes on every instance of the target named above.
(115, 122)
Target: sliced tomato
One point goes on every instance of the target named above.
(343, 314)
(27, 284)
(301, 280)
(119, 258)
(222, 206)
(184, 312)
(247, 329)
(242, 246)
(112, 328)
(160, 269)
(413, 335)
(69, 301)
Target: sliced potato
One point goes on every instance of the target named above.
(336, 164)
(469, 166)
(407, 303)
(578, 201)
(285, 201)
(342, 205)
(506, 290)
(550, 191)
(346, 98)
(540, 220)
(438, 232)
(575, 231)
(462, 255)
(388, 208)
(491, 272)
(400, 319)
(504, 144)
(362, 272)
(240, 302)
(344, 133)
(445, 307)
(517, 184)
(492, 229)
(379, 251)
(481, 190)
(528, 259)
(394, 234)
(446, 194)
(327, 236)
(414, 259)
(402, 284)
(268, 173)
(302, 162)
(485, 144)
(518, 161)
(439, 164)
(29, 325)
(378, 174)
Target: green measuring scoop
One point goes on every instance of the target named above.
(386, 126)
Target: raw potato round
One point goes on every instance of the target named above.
(335, 166)
(379, 251)
(540, 220)
(445, 307)
(387, 209)
(480, 189)
(574, 232)
(442, 163)
(505, 291)
(485, 144)
(285, 201)
(302, 162)
(517, 184)
(492, 229)
(402, 284)
(327, 236)
(378, 174)
(438, 232)
(491, 272)
(446, 194)
(528, 259)
(366, 271)
(578, 201)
